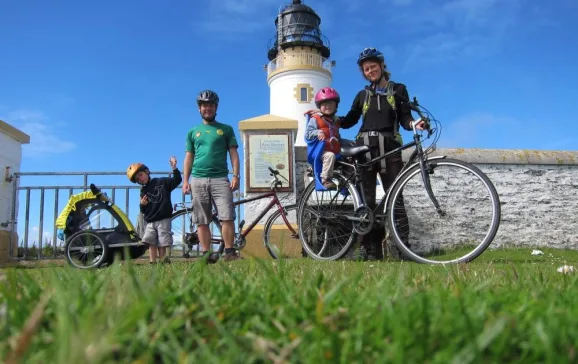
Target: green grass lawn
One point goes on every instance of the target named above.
(507, 306)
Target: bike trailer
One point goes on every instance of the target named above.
(95, 230)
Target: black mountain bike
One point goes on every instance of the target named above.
(439, 210)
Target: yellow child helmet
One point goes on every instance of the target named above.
(133, 169)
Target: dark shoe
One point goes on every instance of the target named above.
(210, 258)
(213, 258)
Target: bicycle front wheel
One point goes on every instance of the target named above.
(461, 230)
(280, 239)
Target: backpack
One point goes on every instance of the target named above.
(390, 95)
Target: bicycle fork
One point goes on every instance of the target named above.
(426, 170)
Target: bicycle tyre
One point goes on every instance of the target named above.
(269, 225)
(352, 191)
(405, 178)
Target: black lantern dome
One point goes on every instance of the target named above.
(299, 28)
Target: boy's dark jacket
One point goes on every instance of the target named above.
(159, 190)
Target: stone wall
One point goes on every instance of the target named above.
(538, 191)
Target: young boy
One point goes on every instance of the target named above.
(322, 136)
(156, 206)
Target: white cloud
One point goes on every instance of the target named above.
(419, 33)
(347, 47)
(443, 47)
(452, 30)
(231, 19)
(33, 235)
(25, 115)
(490, 130)
(44, 138)
(476, 129)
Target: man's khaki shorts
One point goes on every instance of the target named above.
(208, 190)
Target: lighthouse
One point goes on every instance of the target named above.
(299, 64)
(298, 67)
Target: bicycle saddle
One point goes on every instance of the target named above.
(347, 151)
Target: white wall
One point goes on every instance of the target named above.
(11, 156)
(283, 102)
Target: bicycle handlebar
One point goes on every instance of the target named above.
(273, 171)
(276, 182)
(414, 105)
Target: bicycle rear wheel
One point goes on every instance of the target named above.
(469, 220)
(185, 235)
(324, 219)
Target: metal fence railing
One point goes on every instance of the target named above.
(36, 206)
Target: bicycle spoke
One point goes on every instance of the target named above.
(325, 227)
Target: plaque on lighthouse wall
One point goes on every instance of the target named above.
(266, 150)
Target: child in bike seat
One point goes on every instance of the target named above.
(323, 139)
(156, 207)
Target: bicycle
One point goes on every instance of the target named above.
(188, 238)
(351, 213)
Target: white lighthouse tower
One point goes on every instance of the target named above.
(298, 67)
(299, 64)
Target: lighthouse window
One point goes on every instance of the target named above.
(304, 91)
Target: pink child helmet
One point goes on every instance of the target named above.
(326, 94)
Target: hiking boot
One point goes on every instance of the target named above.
(232, 256)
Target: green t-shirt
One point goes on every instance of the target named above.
(210, 143)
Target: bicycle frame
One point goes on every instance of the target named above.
(273, 202)
(417, 153)
(241, 234)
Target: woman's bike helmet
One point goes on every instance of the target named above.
(370, 54)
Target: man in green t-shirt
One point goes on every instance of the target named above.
(206, 159)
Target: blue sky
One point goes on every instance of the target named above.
(99, 85)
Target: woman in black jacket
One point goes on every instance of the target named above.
(383, 107)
